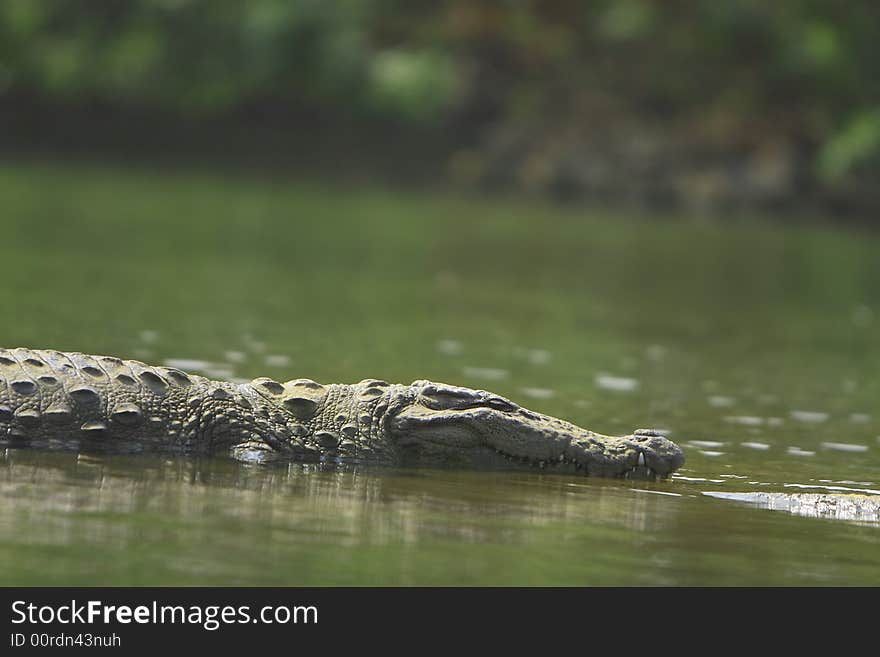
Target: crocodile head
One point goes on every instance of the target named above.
(453, 424)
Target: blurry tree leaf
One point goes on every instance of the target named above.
(417, 84)
(857, 141)
(821, 43)
(626, 19)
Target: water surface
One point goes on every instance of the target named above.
(755, 345)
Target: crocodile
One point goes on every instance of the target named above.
(73, 401)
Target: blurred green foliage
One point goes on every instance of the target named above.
(806, 68)
(858, 142)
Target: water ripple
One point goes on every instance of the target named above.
(616, 383)
(488, 373)
(845, 447)
(811, 417)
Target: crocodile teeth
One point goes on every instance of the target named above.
(642, 472)
(641, 459)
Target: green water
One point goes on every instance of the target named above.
(755, 344)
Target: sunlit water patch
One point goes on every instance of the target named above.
(845, 447)
(486, 373)
(616, 383)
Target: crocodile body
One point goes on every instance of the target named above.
(58, 400)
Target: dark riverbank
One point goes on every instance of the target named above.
(621, 161)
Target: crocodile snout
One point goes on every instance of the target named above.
(656, 451)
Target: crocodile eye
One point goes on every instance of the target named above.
(500, 404)
(447, 398)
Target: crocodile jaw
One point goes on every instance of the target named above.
(526, 437)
